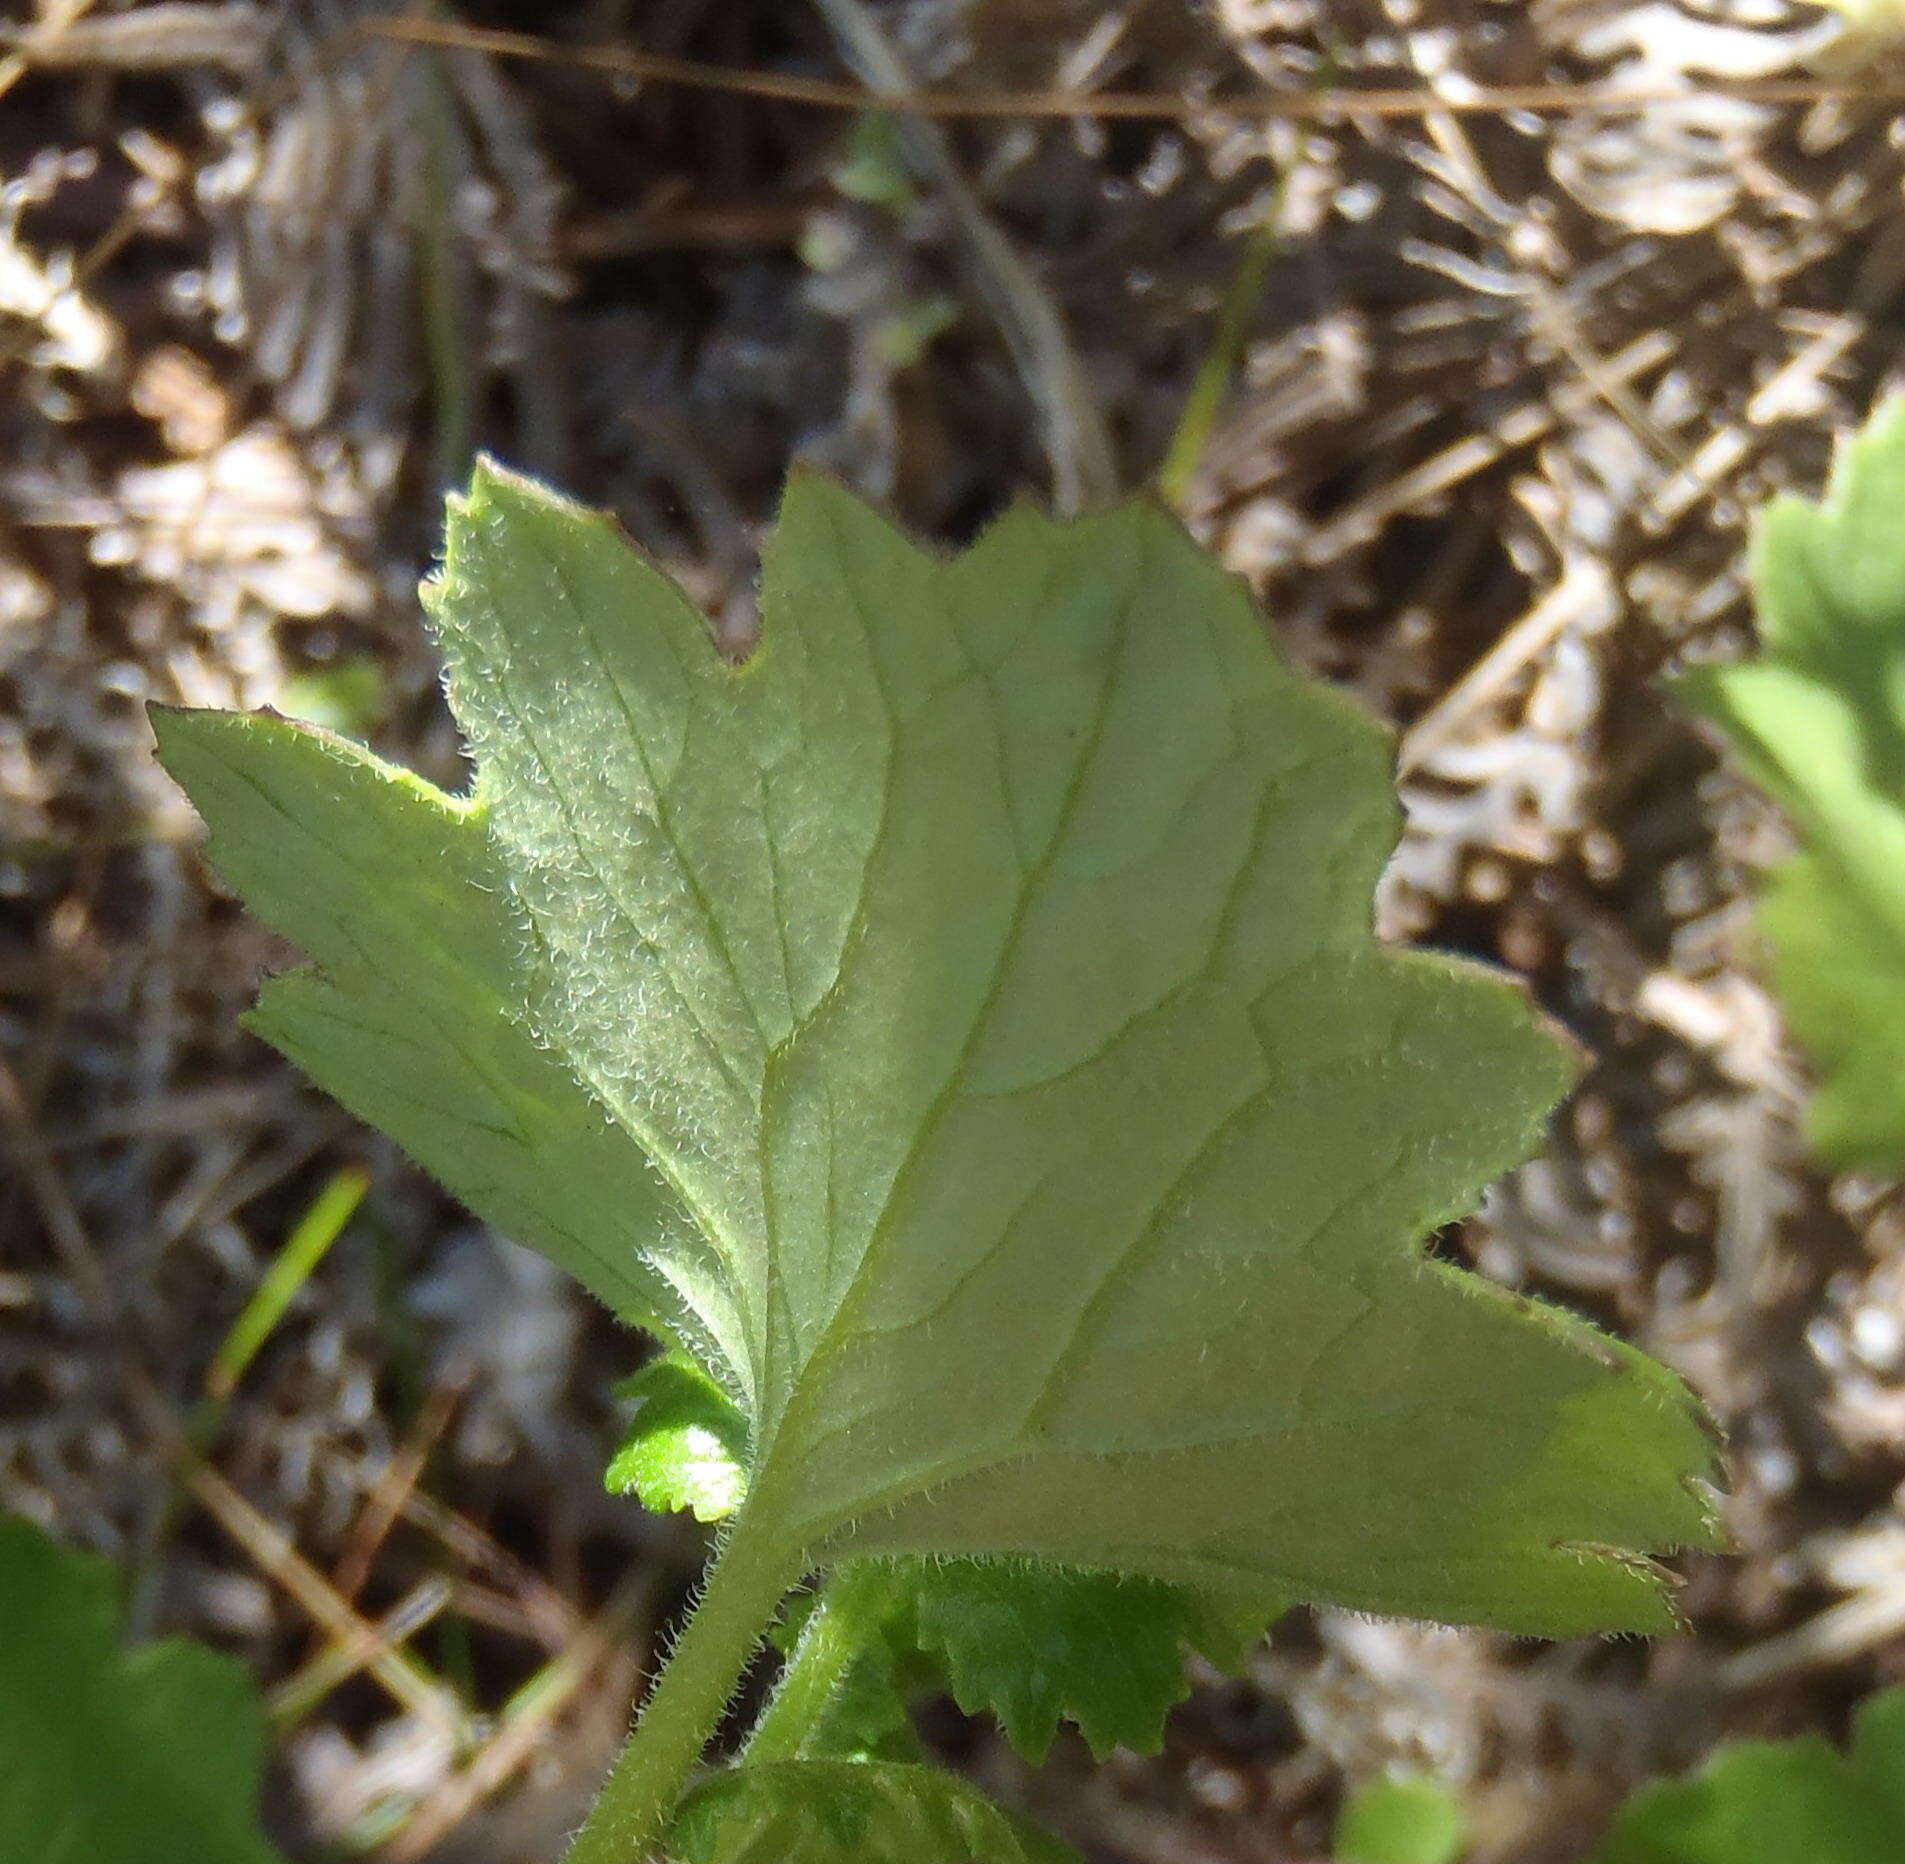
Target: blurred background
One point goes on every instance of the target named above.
(1479, 399)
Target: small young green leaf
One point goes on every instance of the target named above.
(687, 1446)
(1778, 1802)
(1819, 720)
(985, 969)
(108, 1755)
(851, 1812)
(1399, 1819)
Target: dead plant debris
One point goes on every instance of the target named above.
(1495, 423)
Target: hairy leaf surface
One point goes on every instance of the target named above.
(1819, 720)
(108, 1755)
(411, 1016)
(985, 970)
(1036, 1645)
(687, 1445)
(866, 1717)
(1028, 1641)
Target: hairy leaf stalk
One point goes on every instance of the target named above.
(747, 1581)
(832, 1637)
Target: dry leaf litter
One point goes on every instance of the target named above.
(1510, 389)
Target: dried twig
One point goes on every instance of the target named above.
(403, 1675)
(333, 1663)
(1338, 104)
(525, 1723)
(1473, 453)
(383, 1506)
(555, 1618)
(1077, 443)
(1584, 587)
(49, 1193)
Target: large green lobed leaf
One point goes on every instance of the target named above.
(1819, 720)
(960, 1027)
(108, 1755)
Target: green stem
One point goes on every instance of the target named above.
(747, 1581)
(1220, 359)
(829, 1641)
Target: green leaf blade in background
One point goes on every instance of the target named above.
(986, 971)
(1818, 719)
(108, 1755)
(851, 1812)
(1398, 1819)
(1778, 1802)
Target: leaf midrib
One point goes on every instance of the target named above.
(806, 1390)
